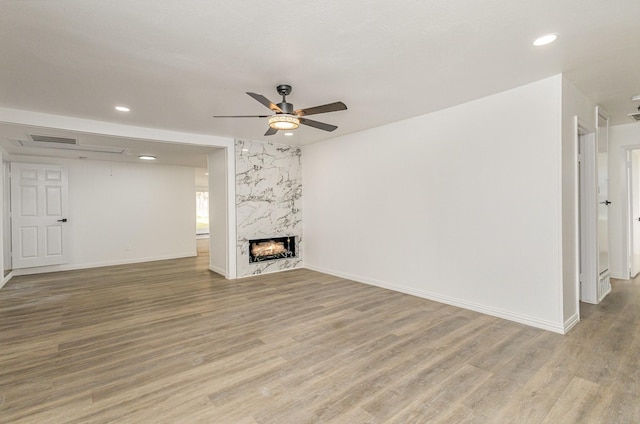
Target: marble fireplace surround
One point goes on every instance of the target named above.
(268, 202)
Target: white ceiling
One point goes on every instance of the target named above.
(177, 63)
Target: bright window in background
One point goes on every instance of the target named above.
(202, 212)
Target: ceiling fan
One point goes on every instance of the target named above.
(286, 118)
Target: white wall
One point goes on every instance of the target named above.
(218, 217)
(621, 138)
(125, 213)
(461, 206)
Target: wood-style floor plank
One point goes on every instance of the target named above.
(171, 342)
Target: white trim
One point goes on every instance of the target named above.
(275, 271)
(72, 267)
(232, 231)
(6, 279)
(626, 205)
(571, 322)
(578, 158)
(601, 112)
(488, 310)
(217, 270)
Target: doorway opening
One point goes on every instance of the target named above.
(202, 214)
(202, 202)
(633, 212)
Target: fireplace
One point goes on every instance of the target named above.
(261, 250)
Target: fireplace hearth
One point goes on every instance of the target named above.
(270, 249)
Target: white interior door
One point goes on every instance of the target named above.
(588, 216)
(602, 140)
(39, 207)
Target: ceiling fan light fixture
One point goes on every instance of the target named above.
(283, 121)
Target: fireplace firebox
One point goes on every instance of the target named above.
(269, 249)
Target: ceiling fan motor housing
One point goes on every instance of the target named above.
(284, 89)
(286, 108)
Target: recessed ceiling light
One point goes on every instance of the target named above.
(147, 157)
(206, 173)
(635, 98)
(122, 109)
(545, 39)
(288, 134)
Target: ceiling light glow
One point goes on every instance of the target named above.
(122, 109)
(147, 157)
(284, 121)
(545, 39)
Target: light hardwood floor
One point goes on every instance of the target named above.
(171, 342)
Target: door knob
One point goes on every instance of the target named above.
(62, 220)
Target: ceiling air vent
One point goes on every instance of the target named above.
(635, 116)
(64, 143)
(51, 139)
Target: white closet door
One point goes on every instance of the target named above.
(39, 208)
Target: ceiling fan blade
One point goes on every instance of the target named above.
(241, 116)
(316, 124)
(271, 131)
(259, 97)
(331, 107)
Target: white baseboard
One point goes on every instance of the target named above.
(622, 276)
(571, 322)
(6, 279)
(71, 267)
(488, 310)
(218, 271)
(275, 271)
